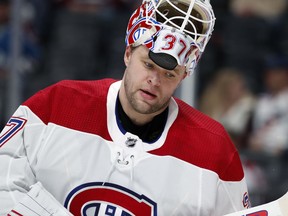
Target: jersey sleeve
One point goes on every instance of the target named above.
(232, 195)
(20, 145)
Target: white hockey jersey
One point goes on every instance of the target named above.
(68, 138)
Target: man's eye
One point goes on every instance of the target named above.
(169, 75)
(148, 65)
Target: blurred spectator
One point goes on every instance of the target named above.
(81, 39)
(270, 119)
(228, 100)
(266, 9)
(86, 38)
(29, 51)
(78, 40)
(214, 51)
(4, 17)
(42, 19)
(250, 31)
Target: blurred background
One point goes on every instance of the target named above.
(241, 80)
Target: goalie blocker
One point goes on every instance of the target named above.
(37, 202)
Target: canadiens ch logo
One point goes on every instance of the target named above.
(96, 198)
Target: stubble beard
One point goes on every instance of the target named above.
(142, 107)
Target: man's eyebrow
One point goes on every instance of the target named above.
(177, 70)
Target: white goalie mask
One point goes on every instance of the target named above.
(175, 31)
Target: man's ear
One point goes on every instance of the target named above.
(127, 55)
(185, 74)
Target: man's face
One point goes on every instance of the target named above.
(276, 80)
(148, 87)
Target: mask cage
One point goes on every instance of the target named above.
(194, 18)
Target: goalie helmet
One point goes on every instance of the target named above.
(175, 31)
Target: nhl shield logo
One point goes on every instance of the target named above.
(131, 142)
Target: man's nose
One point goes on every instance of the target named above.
(154, 78)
